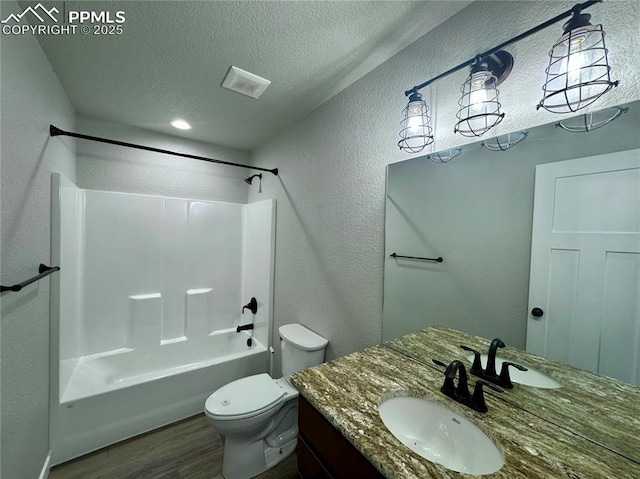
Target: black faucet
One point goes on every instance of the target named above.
(490, 370)
(244, 327)
(461, 392)
(489, 373)
(448, 388)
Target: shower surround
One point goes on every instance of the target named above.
(145, 310)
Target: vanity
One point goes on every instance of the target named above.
(589, 427)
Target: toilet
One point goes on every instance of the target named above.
(258, 415)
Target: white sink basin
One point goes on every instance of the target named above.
(440, 435)
(532, 377)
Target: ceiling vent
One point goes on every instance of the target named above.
(245, 83)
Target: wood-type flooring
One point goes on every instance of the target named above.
(189, 449)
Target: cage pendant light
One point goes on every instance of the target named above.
(479, 106)
(578, 72)
(416, 132)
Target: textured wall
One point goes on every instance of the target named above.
(331, 190)
(32, 98)
(113, 168)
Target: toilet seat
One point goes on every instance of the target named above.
(245, 398)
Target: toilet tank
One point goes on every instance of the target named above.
(301, 348)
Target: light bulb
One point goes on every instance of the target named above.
(416, 132)
(478, 97)
(478, 94)
(415, 123)
(573, 63)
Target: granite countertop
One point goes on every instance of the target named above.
(348, 390)
(597, 407)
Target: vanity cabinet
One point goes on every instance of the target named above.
(346, 393)
(324, 453)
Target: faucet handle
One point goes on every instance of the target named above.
(476, 367)
(448, 388)
(505, 379)
(462, 391)
(251, 306)
(439, 363)
(477, 400)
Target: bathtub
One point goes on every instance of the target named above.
(145, 306)
(112, 396)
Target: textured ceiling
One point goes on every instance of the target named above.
(172, 57)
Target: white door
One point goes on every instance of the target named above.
(584, 290)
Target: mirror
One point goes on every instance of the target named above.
(476, 213)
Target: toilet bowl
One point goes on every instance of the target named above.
(258, 415)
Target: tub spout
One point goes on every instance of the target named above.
(244, 327)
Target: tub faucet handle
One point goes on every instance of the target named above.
(251, 306)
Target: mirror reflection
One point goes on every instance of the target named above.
(570, 295)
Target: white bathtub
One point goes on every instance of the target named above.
(144, 309)
(110, 397)
(123, 368)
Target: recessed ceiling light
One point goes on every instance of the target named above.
(180, 124)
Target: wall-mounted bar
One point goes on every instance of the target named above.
(44, 270)
(55, 131)
(420, 258)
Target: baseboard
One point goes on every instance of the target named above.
(44, 474)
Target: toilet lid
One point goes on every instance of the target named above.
(244, 397)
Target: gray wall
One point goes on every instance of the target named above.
(114, 168)
(32, 98)
(331, 190)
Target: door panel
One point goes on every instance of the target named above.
(621, 319)
(563, 277)
(597, 202)
(585, 264)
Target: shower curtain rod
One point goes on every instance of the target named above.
(55, 131)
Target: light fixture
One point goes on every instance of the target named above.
(578, 72)
(416, 131)
(504, 142)
(591, 121)
(479, 106)
(445, 156)
(180, 124)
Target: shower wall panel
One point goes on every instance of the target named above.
(143, 271)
